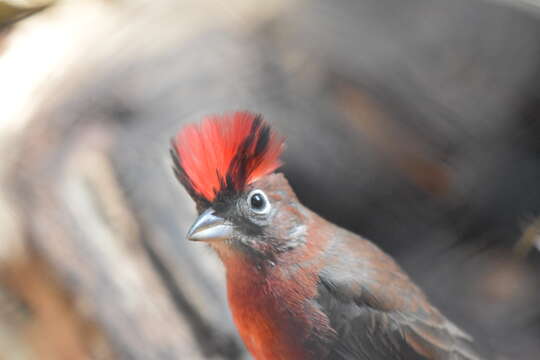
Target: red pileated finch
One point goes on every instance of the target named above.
(299, 287)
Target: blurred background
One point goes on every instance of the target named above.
(413, 123)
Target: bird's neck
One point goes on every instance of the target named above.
(272, 306)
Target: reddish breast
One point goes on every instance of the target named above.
(272, 312)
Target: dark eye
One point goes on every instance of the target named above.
(258, 202)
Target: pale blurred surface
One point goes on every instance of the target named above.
(412, 123)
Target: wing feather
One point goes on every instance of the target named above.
(378, 313)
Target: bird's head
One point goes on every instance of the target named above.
(227, 163)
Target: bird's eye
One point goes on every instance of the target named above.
(258, 202)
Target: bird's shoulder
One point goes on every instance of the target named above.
(378, 312)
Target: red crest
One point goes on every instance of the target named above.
(225, 153)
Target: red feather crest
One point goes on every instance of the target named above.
(223, 154)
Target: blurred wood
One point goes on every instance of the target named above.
(51, 322)
(11, 12)
(530, 238)
(408, 152)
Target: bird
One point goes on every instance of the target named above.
(298, 286)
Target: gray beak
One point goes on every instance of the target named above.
(209, 227)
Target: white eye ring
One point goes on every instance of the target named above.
(258, 202)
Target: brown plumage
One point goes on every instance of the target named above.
(300, 287)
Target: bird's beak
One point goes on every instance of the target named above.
(209, 227)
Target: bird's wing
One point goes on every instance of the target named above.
(378, 313)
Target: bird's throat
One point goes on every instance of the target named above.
(273, 312)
